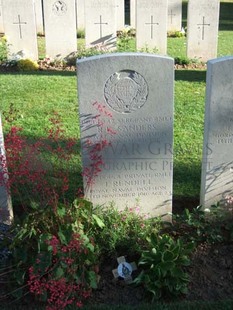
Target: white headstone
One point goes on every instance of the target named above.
(1, 18)
(217, 163)
(151, 25)
(100, 23)
(80, 14)
(39, 16)
(120, 14)
(202, 29)
(6, 213)
(174, 21)
(126, 117)
(133, 13)
(20, 27)
(60, 28)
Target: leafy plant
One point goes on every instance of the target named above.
(182, 60)
(81, 33)
(163, 264)
(3, 49)
(27, 65)
(199, 225)
(125, 231)
(54, 254)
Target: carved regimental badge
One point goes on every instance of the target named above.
(59, 7)
(126, 91)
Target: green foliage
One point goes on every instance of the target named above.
(125, 40)
(176, 34)
(81, 33)
(162, 264)
(211, 225)
(182, 60)
(56, 245)
(27, 65)
(124, 231)
(3, 49)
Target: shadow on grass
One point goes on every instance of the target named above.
(225, 18)
(190, 75)
(40, 72)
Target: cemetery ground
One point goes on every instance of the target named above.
(44, 105)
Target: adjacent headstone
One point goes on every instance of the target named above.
(151, 25)
(20, 27)
(120, 14)
(6, 213)
(133, 13)
(202, 30)
(100, 23)
(217, 164)
(1, 18)
(174, 21)
(80, 14)
(39, 16)
(126, 117)
(60, 28)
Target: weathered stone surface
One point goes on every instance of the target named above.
(100, 23)
(60, 27)
(174, 15)
(126, 117)
(217, 164)
(20, 27)
(151, 25)
(202, 29)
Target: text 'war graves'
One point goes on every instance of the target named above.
(126, 117)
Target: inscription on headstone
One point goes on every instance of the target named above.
(174, 15)
(202, 30)
(20, 23)
(151, 25)
(6, 213)
(20, 27)
(126, 118)
(100, 23)
(217, 163)
(60, 28)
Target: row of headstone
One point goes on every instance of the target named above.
(131, 109)
(152, 18)
(126, 120)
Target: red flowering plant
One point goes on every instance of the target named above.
(53, 254)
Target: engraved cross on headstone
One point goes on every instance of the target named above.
(124, 269)
(203, 27)
(20, 23)
(171, 14)
(151, 26)
(101, 23)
